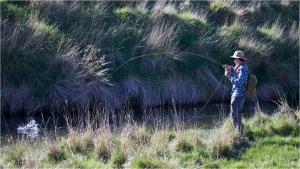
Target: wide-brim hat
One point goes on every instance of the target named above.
(239, 54)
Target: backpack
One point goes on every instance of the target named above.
(251, 85)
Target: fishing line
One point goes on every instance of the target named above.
(156, 53)
(207, 101)
(188, 53)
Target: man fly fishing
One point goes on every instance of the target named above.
(238, 76)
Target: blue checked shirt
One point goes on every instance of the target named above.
(239, 80)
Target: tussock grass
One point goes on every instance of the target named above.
(190, 25)
(119, 158)
(22, 154)
(220, 141)
(184, 145)
(15, 154)
(234, 30)
(258, 51)
(53, 49)
(56, 153)
(274, 32)
(226, 11)
(139, 146)
(284, 122)
(103, 149)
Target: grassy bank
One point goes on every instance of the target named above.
(115, 52)
(272, 142)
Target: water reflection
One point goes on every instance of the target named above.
(30, 129)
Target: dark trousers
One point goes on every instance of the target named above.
(236, 107)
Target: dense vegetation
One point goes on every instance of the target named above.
(112, 53)
(273, 142)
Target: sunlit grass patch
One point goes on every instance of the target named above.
(190, 24)
(127, 11)
(283, 123)
(233, 31)
(275, 152)
(13, 12)
(132, 15)
(274, 32)
(191, 18)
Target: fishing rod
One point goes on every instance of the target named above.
(140, 56)
(188, 53)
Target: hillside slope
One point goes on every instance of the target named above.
(112, 53)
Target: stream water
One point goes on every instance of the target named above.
(197, 116)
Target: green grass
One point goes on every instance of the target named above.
(272, 143)
(267, 152)
(43, 46)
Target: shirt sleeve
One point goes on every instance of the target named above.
(240, 78)
(231, 70)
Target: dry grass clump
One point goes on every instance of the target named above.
(88, 138)
(140, 135)
(22, 154)
(221, 140)
(160, 142)
(15, 154)
(55, 153)
(161, 37)
(77, 143)
(103, 147)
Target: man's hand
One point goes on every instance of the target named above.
(227, 74)
(226, 67)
